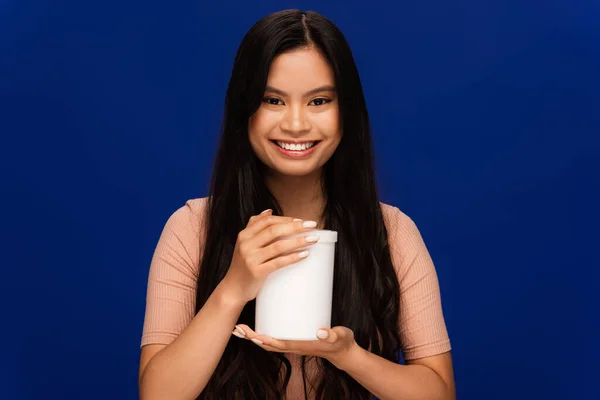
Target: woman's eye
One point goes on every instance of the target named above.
(319, 102)
(272, 101)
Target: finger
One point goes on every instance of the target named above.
(271, 233)
(284, 261)
(267, 348)
(245, 332)
(281, 346)
(255, 341)
(237, 334)
(286, 246)
(262, 222)
(271, 342)
(258, 217)
(260, 341)
(300, 347)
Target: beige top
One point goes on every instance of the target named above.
(173, 275)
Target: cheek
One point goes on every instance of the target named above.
(253, 126)
(261, 123)
(255, 130)
(329, 124)
(259, 127)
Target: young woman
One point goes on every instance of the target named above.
(295, 143)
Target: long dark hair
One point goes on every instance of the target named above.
(366, 289)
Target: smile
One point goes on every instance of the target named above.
(295, 149)
(295, 146)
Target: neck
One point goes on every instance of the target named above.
(299, 196)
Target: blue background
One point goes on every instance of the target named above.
(486, 122)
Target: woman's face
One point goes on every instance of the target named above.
(296, 128)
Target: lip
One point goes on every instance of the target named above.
(294, 141)
(296, 153)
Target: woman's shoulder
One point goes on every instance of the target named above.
(404, 237)
(189, 218)
(193, 208)
(395, 219)
(196, 206)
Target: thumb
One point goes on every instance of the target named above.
(327, 335)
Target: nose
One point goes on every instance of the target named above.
(295, 121)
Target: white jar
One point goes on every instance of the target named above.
(295, 301)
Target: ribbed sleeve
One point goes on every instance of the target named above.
(171, 293)
(422, 327)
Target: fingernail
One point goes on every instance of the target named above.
(240, 331)
(266, 211)
(234, 333)
(297, 219)
(255, 340)
(311, 238)
(303, 254)
(322, 334)
(309, 224)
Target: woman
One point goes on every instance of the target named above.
(295, 143)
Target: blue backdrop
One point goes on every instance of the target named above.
(486, 123)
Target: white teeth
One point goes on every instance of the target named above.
(295, 146)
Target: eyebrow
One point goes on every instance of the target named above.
(324, 88)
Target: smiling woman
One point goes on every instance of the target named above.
(295, 154)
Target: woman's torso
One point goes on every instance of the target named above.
(175, 269)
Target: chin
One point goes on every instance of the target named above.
(294, 171)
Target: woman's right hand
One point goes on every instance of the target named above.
(259, 250)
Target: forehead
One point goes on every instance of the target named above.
(300, 70)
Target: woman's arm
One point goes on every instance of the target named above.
(429, 378)
(182, 369)
(181, 350)
(428, 373)
(426, 378)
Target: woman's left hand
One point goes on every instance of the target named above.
(336, 344)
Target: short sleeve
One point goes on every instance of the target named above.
(173, 275)
(423, 331)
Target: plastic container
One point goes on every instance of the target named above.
(295, 301)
